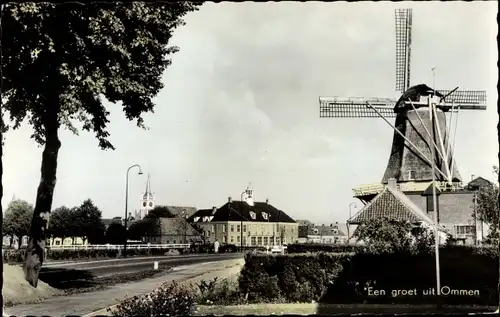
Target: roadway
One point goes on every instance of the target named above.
(55, 273)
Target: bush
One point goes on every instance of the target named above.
(168, 300)
(343, 278)
(290, 278)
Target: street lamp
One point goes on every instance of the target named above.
(126, 206)
(350, 216)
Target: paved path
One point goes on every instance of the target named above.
(86, 303)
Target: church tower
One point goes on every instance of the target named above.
(147, 201)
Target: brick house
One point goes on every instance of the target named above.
(393, 204)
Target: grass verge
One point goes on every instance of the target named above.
(311, 309)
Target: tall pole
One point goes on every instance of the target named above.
(434, 205)
(350, 216)
(126, 207)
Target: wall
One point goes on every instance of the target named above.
(223, 233)
(455, 208)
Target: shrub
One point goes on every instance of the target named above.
(225, 292)
(291, 278)
(345, 278)
(168, 300)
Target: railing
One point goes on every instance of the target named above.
(117, 247)
(373, 189)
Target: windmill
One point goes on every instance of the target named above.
(419, 129)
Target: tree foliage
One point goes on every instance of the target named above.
(487, 205)
(115, 233)
(90, 222)
(60, 221)
(59, 61)
(17, 219)
(160, 212)
(394, 236)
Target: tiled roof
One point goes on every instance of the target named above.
(240, 210)
(480, 183)
(176, 226)
(107, 221)
(392, 204)
(327, 230)
(304, 222)
(179, 210)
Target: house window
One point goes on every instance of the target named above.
(213, 228)
(244, 240)
(266, 242)
(232, 228)
(465, 230)
(244, 228)
(238, 239)
(259, 241)
(253, 241)
(175, 241)
(232, 239)
(264, 215)
(252, 215)
(168, 241)
(238, 228)
(224, 239)
(223, 228)
(58, 242)
(411, 175)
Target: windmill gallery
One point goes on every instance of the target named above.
(421, 154)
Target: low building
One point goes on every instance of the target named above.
(393, 204)
(327, 234)
(55, 241)
(173, 230)
(246, 223)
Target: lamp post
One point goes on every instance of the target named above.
(350, 215)
(126, 206)
(434, 204)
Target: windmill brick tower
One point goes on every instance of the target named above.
(415, 134)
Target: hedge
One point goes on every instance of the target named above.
(353, 278)
(341, 248)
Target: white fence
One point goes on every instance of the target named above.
(117, 246)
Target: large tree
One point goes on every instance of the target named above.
(60, 222)
(17, 220)
(488, 208)
(91, 227)
(59, 62)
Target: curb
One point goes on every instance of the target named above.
(104, 311)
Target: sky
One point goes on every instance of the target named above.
(240, 105)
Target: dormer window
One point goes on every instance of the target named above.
(334, 231)
(315, 230)
(196, 219)
(264, 215)
(411, 175)
(206, 219)
(252, 215)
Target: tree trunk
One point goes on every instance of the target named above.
(38, 231)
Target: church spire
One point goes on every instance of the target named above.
(147, 193)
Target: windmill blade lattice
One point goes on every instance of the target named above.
(403, 48)
(339, 107)
(466, 99)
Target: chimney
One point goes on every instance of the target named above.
(331, 225)
(267, 200)
(214, 210)
(230, 199)
(391, 183)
